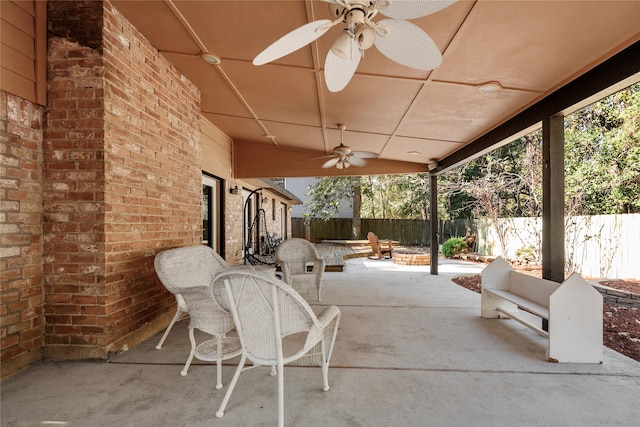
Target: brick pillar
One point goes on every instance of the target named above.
(74, 174)
(21, 293)
(122, 177)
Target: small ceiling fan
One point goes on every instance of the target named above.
(343, 156)
(397, 39)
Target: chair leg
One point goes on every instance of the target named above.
(219, 339)
(166, 332)
(325, 366)
(232, 385)
(191, 354)
(280, 394)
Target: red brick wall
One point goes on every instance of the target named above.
(21, 293)
(154, 177)
(122, 181)
(232, 223)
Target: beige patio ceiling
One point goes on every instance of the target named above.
(410, 117)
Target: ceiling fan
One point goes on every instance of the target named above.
(344, 156)
(397, 39)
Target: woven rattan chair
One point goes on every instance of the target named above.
(276, 326)
(294, 256)
(187, 273)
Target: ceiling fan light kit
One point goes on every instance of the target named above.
(342, 46)
(397, 39)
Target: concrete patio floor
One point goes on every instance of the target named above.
(411, 350)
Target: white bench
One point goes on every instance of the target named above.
(573, 309)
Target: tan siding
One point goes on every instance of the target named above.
(25, 5)
(20, 85)
(21, 17)
(216, 150)
(23, 49)
(18, 62)
(20, 40)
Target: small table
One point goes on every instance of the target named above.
(208, 351)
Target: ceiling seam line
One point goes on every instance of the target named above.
(425, 81)
(315, 57)
(245, 103)
(203, 48)
(395, 129)
(185, 24)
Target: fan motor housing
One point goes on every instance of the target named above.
(338, 10)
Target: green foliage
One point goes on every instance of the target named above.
(326, 196)
(383, 196)
(503, 183)
(602, 156)
(527, 253)
(454, 246)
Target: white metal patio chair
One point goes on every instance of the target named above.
(294, 255)
(188, 273)
(276, 326)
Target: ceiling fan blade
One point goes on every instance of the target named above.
(331, 162)
(410, 9)
(408, 45)
(357, 161)
(364, 154)
(338, 71)
(322, 157)
(340, 164)
(293, 41)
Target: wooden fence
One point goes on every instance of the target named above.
(405, 231)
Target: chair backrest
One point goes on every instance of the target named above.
(187, 273)
(296, 253)
(374, 242)
(265, 310)
(188, 266)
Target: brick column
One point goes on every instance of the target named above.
(122, 179)
(21, 293)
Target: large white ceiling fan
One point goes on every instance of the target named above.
(397, 39)
(342, 156)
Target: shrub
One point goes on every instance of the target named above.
(526, 254)
(454, 246)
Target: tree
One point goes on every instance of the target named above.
(602, 157)
(326, 196)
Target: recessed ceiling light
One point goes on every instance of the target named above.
(210, 58)
(413, 153)
(489, 87)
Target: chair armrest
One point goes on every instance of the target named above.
(197, 289)
(318, 264)
(196, 294)
(327, 315)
